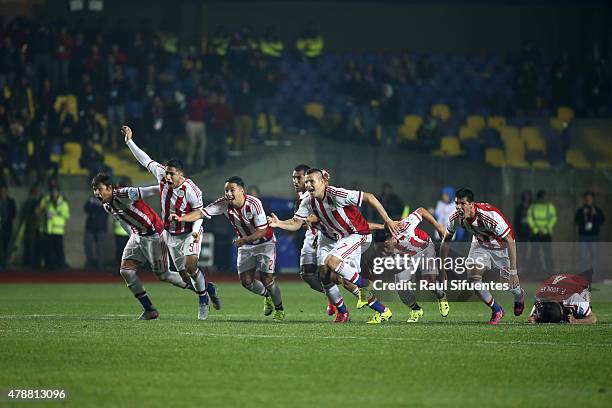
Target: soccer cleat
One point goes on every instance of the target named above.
(519, 306)
(363, 296)
(268, 306)
(279, 315)
(203, 311)
(443, 306)
(415, 315)
(149, 314)
(342, 318)
(496, 316)
(213, 294)
(381, 317)
(331, 308)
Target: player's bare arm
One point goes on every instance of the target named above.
(444, 245)
(191, 217)
(591, 319)
(373, 201)
(127, 133)
(427, 216)
(293, 224)
(249, 239)
(375, 226)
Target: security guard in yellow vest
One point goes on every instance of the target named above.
(54, 212)
(270, 45)
(310, 43)
(542, 217)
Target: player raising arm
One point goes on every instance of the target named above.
(179, 195)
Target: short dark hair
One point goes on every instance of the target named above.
(550, 312)
(540, 194)
(302, 167)
(176, 163)
(314, 171)
(589, 193)
(465, 193)
(101, 178)
(236, 180)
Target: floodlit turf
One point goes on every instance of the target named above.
(83, 338)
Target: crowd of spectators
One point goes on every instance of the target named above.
(65, 82)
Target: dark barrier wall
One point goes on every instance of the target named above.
(444, 26)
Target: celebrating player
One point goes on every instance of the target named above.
(145, 244)
(417, 244)
(179, 195)
(344, 233)
(492, 245)
(255, 241)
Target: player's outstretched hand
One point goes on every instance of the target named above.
(394, 227)
(196, 236)
(273, 220)
(238, 242)
(312, 219)
(174, 217)
(127, 133)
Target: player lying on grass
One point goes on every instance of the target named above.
(145, 245)
(492, 245)
(255, 241)
(343, 235)
(179, 195)
(564, 298)
(417, 244)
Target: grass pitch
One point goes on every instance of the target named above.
(83, 338)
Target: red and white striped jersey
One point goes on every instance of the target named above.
(338, 212)
(128, 208)
(311, 230)
(411, 240)
(489, 226)
(176, 200)
(245, 220)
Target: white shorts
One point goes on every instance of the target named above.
(348, 249)
(261, 257)
(150, 249)
(308, 254)
(181, 246)
(424, 260)
(489, 257)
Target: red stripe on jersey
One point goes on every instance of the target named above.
(422, 235)
(324, 213)
(167, 205)
(151, 215)
(337, 193)
(230, 217)
(342, 223)
(490, 207)
(143, 223)
(251, 200)
(245, 225)
(355, 217)
(177, 208)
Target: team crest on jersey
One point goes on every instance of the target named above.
(558, 279)
(181, 193)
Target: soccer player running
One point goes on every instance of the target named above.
(255, 241)
(492, 245)
(308, 253)
(179, 195)
(145, 244)
(417, 244)
(344, 234)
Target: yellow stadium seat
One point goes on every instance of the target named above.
(30, 148)
(540, 164)
(408, 130)
(72, 149)
(98, 148)
(557, 124)
(515, 152)
(450, 147)
(565, 114)
(495, 157)
(71, 102)
(509, 132)
(441, 111)
(476, 122)
(314, 110)
(497, 122)
(533, 139)
(603, 164)
(577, 159)
(466, 132)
